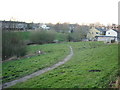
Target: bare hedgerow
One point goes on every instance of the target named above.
(12, 45)
(42, 37)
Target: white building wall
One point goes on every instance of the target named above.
(111, 33)
(105, 38)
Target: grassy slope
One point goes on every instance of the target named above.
(18, 68)
(75, 73)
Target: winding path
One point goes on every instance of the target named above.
(8, 84)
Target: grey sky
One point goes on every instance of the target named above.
(72, 11)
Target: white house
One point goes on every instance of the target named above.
(45, 27)
(110, 36)
(113, 33)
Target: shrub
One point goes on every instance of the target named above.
(76, 36)
(12, 45)
(42, 37)
(62, 37)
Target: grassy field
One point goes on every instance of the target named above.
(19, 68)
(77, 73)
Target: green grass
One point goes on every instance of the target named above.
(75, 73)
(18, 68)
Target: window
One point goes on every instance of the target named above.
(96, 32)
(109, 33)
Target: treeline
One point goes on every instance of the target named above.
(66, 27)
(14, 43)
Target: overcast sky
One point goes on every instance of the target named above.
(72, 11)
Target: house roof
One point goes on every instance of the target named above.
(11, 21)
(115, 30)
(101, 30)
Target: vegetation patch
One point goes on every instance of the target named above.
(18, 68)
(94, 70)
(12, 45)
(75, 73)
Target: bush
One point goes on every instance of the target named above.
(42, 37)
(61, 37)
(12, 45)
(74, 37)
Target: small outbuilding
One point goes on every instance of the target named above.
(106, 38)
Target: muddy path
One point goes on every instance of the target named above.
(23, 79)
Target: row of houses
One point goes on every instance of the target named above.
(12, 25)
(16, 25)
(99, 34)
